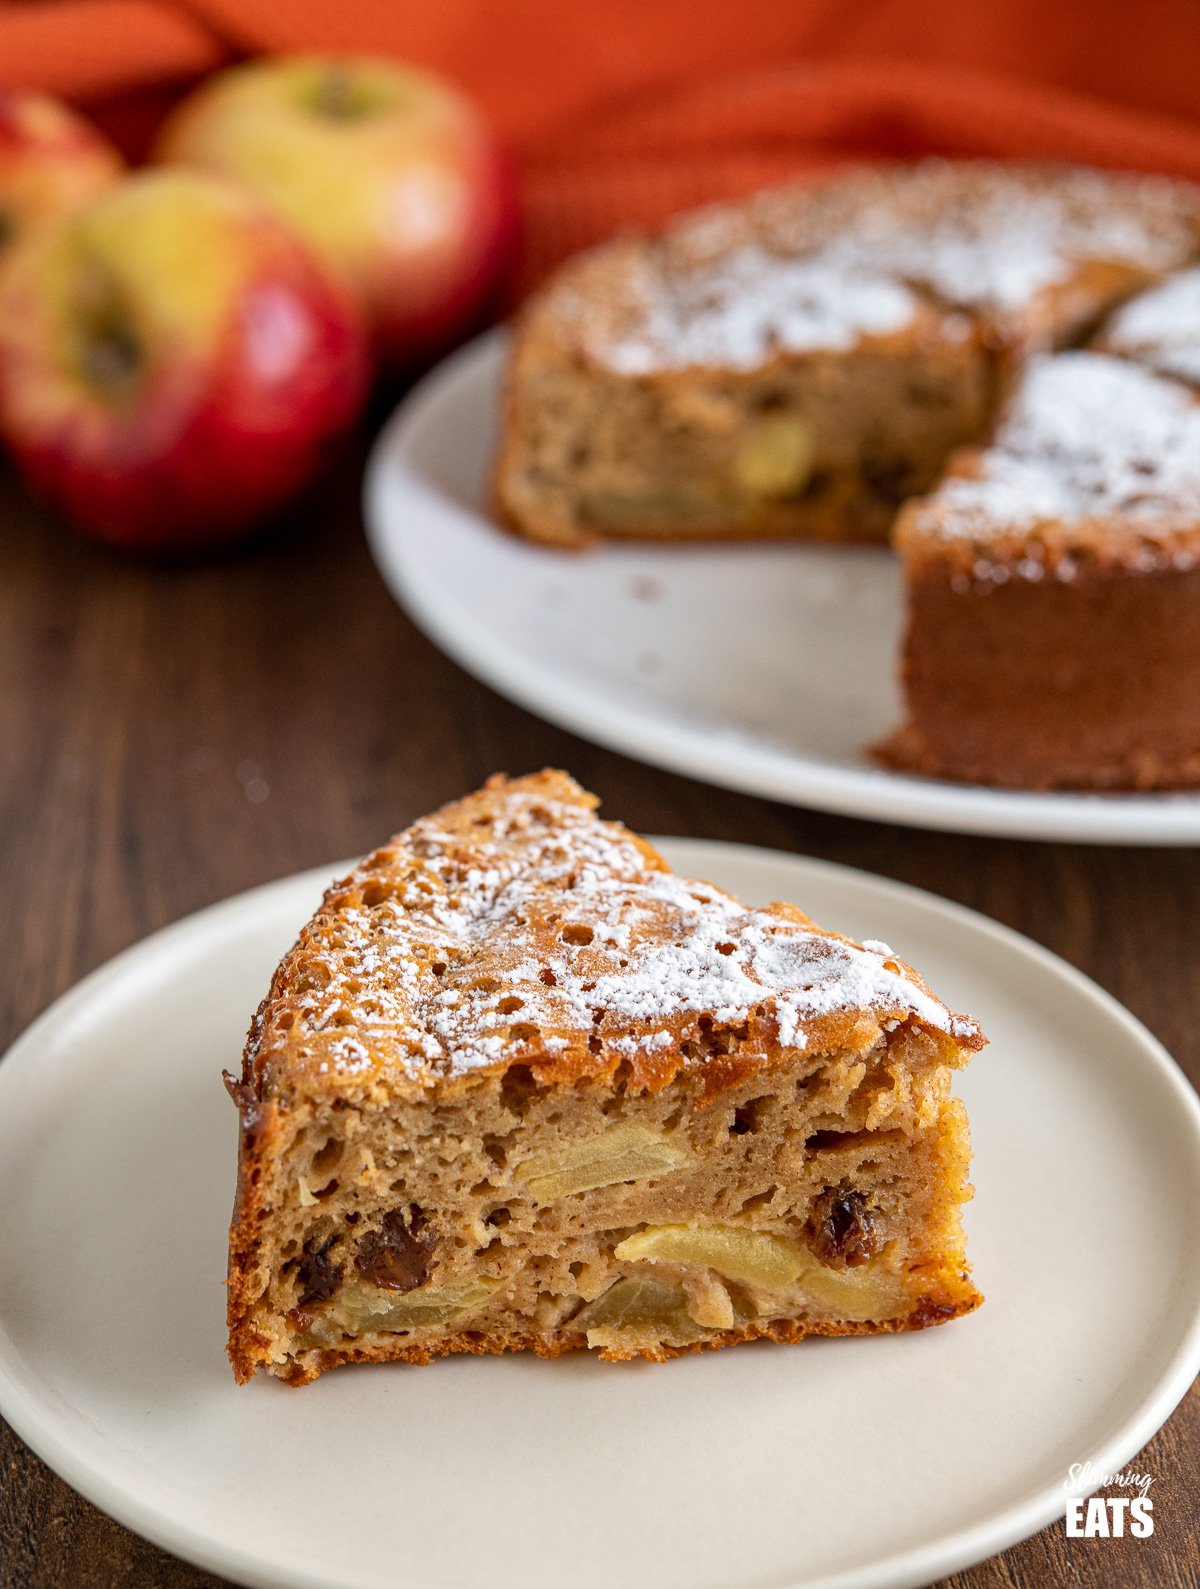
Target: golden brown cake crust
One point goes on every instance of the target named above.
(1054, 591)
(1089, 685)
(929, 1311)
(457, 934)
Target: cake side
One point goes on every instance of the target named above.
(1052, 585)
(1089, 685)
(519, 1086)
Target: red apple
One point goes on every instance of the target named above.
(390, 174)
(51, 160)
(173, 362)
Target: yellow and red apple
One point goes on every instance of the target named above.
(51, 161)
(173, 362)
(389, 173)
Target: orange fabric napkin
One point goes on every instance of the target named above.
(620, 111)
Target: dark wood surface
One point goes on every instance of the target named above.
(172, 735)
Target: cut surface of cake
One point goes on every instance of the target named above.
(520, 1087)
(1053, 587)
(799, 399)
(800, 363)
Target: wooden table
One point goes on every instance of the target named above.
(172, 735)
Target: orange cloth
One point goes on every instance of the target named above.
(620, 111)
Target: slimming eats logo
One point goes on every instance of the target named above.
(1108, 1516)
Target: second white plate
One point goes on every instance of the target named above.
(762, 668)
(847, 1463)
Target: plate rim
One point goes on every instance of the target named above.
(20, 1407)
(867, 793)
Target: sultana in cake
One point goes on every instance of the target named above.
(800, 363)
(518, 1086)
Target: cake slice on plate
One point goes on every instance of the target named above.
(1053, 582)
(519, 1086)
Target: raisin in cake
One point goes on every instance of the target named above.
(518, 1086)
(798, 364)
(1053, 584)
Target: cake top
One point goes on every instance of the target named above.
(1161, 328)
(866, 253)
(735, 312)
(515, 926)
(992, 237)
(1087, 440)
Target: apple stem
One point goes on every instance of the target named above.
(110, 357)
(108, 347)
(335, 93)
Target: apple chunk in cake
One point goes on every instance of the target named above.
(519, 1086)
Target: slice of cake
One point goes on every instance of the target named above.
(520, 1087)
(798, 364)
(1053, 584)
(1160, 328)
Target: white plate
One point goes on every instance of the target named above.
(885, 1461)
(763, 668)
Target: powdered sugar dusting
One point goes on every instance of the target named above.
(737, 311)
(1087, 437)
(1008, 240)
(820, 266)
(1162, 328)
(545, 929)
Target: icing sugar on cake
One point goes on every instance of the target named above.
(555, 928)
(1006, 236)
(1087, 437)
(1161, 328)
(819, 266)
(737, 311)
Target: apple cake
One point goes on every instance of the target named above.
(520, 1087)
(800, 363)
(1053, 585)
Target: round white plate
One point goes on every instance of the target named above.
(758, 667)
(870, 1462)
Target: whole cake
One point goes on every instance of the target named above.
(519, 1087)
(799, 364)
(818, 358)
